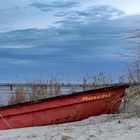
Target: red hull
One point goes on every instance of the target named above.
(62, 109)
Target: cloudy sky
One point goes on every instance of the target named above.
(70, 38)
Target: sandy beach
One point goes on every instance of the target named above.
(104, 127)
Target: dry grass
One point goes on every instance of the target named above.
(132, 74)
(53, 87)
(18, 97)
(131, 98)
(95, 81)
(132, 94)
(37, 90)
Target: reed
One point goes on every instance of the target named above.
(37, 90)
(18, 97)
(96, 81)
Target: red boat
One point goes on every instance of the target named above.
(62, 109)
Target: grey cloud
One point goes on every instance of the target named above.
(103, 12)
(91, 23)
(54, 5)
(134, 36)
(63, 44)
(94, 13)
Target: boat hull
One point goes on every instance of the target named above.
(62, 109)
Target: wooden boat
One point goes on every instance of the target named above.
(62, 109)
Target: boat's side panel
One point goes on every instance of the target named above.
(63, 110)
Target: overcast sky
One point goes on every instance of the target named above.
(18, 14)
(69, 37)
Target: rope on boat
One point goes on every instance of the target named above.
(4, 120)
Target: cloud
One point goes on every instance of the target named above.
(99, 20)
(80, 37)
(133, 36)
(93, 13)
(103, 10)
(50, 6)
(94, 20)
(15, 61)
(30, 15)
(16, 46)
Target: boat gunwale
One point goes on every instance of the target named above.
(110, 87)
